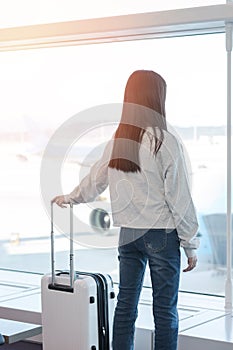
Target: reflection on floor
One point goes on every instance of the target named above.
(203, 323)
(203, 319)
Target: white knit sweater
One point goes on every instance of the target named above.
(157, 197)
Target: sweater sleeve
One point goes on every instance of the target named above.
(95, 182)
(178, 197)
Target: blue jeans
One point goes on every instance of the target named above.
(161, 249)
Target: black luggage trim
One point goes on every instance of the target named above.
(61, 287)
(102, 304)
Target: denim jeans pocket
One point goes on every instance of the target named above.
(155, 240)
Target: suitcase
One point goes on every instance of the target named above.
(77, 307)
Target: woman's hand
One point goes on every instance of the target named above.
(61, 201)
(192, 262)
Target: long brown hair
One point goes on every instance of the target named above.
(143, 107)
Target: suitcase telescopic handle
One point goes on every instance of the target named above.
(55, 285)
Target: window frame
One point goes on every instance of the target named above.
(163, 24)
(171, 23)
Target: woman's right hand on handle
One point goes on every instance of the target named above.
(61, 201)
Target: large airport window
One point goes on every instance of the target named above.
(42, 89)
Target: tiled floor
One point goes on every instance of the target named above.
(202, 318)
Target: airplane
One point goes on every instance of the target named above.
(98, 215)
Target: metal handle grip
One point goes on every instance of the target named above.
(72, 274)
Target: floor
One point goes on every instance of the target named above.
(204, 322)
(22, 346)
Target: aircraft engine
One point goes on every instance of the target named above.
(100, 220)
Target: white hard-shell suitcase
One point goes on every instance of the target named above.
(77, 307)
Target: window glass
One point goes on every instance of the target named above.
(41, 89)
(28, 12)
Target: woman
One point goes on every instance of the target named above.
(150, 197)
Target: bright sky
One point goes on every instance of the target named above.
(26, 12)
(51, 85)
